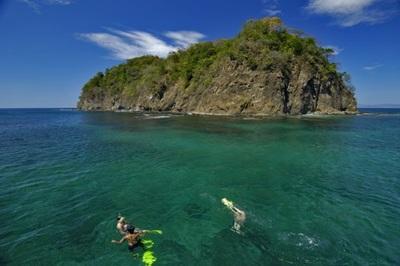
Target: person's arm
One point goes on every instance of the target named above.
(142, 233)
(235, 209)
(238, 211)
(118, 242)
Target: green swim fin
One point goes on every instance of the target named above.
(148, 258)
(147, 243)
(159, 232)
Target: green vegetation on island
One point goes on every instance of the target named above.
(266, 69)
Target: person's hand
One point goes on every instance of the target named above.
(113, 241)
(227, 203)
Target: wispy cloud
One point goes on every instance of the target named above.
(372, 67)
(58, 2)
(129, 44)
(32, 4)
(352, 12)
(272, 12)
(37, 4)
(271, 7)
(184, 38)
(336, 50)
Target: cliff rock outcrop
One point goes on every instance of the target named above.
(267, 69)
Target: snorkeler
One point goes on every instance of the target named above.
(122, 225)
(132, 237)
(239, 216)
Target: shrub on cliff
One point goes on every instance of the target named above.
(262, 45)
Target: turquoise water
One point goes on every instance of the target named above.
(317, 191)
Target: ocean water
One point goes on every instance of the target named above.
(316, 190)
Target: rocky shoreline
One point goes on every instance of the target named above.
(256, 115)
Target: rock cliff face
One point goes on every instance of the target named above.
(265, 70)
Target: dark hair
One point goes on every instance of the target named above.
(130, 229)
(118, 218)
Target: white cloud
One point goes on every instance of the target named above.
(37, 4)
(129, 44)
(272, 12)
(372, 67)
(336, 50)
(352, 12)
(271, 7)
(58, 2)
(32, 4)
(339, 6)
(184, 38)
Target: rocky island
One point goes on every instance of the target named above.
(267, 69)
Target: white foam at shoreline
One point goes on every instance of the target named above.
(157, 117)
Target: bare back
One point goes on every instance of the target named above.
(132, 238)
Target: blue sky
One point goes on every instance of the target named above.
(50, 48)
